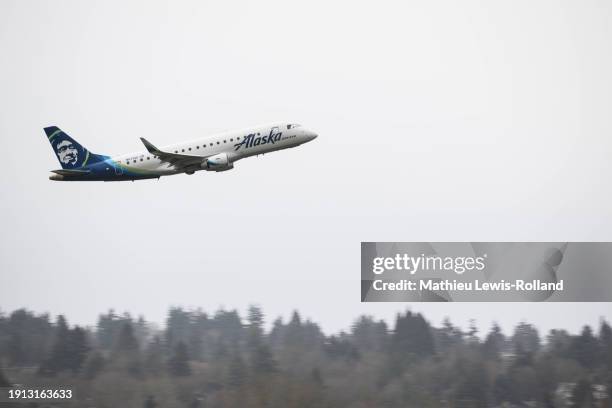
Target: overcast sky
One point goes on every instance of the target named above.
(437, 120)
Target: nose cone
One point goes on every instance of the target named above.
(310, 135)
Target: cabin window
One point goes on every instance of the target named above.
(176, 151)
(211, 145)
(141, 159)
(183, 151)
(127, 162)
(197, 147)
(217, 142)
(231, 140)
(148, 158)
(189, 149)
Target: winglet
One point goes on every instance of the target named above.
(152, 149)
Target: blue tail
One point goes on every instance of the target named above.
(70, 153)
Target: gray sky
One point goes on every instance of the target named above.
(444, 120)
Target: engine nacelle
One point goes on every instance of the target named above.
(218, 162)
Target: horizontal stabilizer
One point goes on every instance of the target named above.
(68, 172)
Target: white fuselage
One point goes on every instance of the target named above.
(235, 144)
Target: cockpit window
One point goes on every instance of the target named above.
(293, 126)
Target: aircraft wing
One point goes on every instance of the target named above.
(180, 161)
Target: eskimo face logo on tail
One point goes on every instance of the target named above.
(67, 152)
(254, 139)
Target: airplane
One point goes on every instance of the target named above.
(215, 153)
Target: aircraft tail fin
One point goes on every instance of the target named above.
(70, 153)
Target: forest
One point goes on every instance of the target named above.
(223, 359)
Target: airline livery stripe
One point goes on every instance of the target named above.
(86, 158)
(52, 135)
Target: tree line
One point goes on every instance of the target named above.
(227, 360)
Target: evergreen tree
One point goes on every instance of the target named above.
(69, 350)
(471, 388)
(178, 327)
(448, 336)
(312, 338)
(109, 327)
(525, 339)
(262, 359)
(255, 327)
(260, 355)
(200, 327)
(79, 348)
(473, 332)
(412, 338)
(141, 331)
(293, 331)
(276, 337)
(341, 347)
(94, 365)
(25, 337)
(229, 326)
(369, 335)
(154, 357)
(178, 364)
(411, 341)
(255, 319)
(15, 348)
(237, 371)
(559, 343)
(494, 342)
(126, 352)
(585, 348)
(126, 342)
(605, 345)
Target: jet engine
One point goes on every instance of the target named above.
(218, 162)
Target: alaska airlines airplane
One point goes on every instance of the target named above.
(215, 153)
